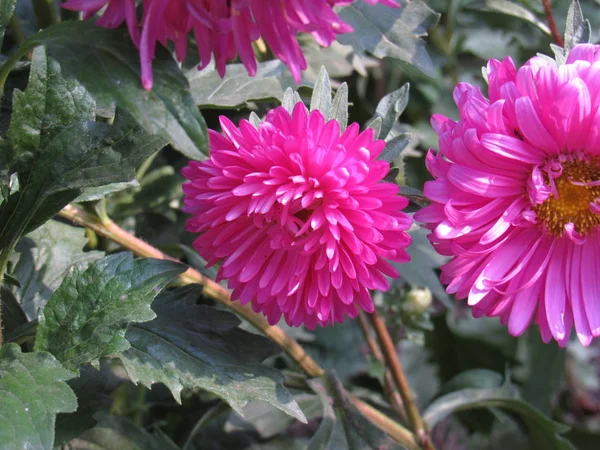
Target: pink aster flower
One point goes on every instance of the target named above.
(224, 30)
(298, 215)
(516, 195)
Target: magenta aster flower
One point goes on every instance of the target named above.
(224, 29)
(516, 195)
(298, 215)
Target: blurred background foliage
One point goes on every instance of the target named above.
(441, 346)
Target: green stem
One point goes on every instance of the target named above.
(145, 166)
(45, 12)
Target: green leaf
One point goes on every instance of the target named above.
(541, 361)
(33, 391)
(543, 432)
(100, 192)
(390, 108)
(113, 432)
(237, 88)
(578, 29)
(13, 316)
(87, 316)
(106, 62)
(512, 9)
(190, 345)
(290, 99)
(7, 7)
(92, 388)
(339, 106)
(44, 257)
(343, 426)
(394, 33)
(321, 96)
(41, 112)
(394, 147)
(58, 152)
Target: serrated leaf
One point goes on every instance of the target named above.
(544, 433)
(339, 106)
(578, 29)
(394, 33)
(190, 345)
(113, 432)
(33, 391)
(58, 152)
(105, 61)
(343, 426)
(7, 7)
(44, 257)
(237, 88)
(390, 108)
(40, 112)
(87, 316)
(321, 95)
(512, 9)
(420, 270)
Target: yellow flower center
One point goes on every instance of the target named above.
(572, 204)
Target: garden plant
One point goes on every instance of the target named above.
(299, 224)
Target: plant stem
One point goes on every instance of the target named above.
(393, 362)
(383, 422)
(390, 388)
(45, 12)
(551, 23)
(110, 230)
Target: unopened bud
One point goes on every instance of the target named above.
(417, 301)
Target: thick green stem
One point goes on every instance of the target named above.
(45, 12)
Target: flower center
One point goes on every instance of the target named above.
(573, 192)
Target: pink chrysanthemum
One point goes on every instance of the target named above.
(299, 216)
(516, 195)
(224, 29)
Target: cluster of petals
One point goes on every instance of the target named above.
(515, 196)
(223, 29)
(298, 216)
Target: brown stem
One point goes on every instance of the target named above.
(390, 388)
(393, 362)
(551, 23)
(383, 422)
(112, 231)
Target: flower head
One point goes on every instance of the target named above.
(298, 215)
(224, 29)
(516, 196)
